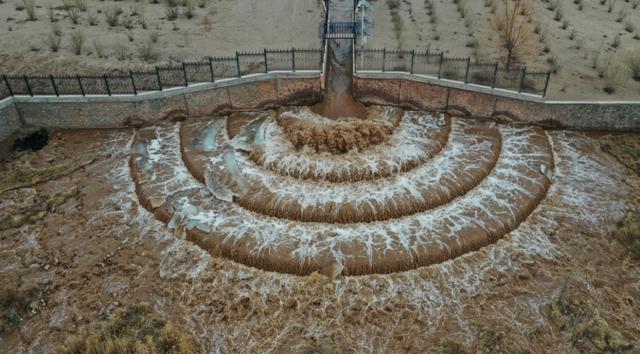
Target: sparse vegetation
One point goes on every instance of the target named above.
(112, 15)
(74, 14)
(53, 42)
(99, 48)
(616, 42)
(15, 303)
(628, 232)
(171, 13)
(147, 51)
(132, 330)
(30, 8)
(633, 63)
(93, 20)
(77, 42)
(612, 79)
(512, 28)
(121, 51)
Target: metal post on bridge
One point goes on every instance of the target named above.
(440, 65)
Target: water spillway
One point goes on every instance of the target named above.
(338, 81)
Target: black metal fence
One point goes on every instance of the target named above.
(458, 69)
(165, 76)
(336, 30)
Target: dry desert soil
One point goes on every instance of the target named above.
(216, 28)
(574, 38)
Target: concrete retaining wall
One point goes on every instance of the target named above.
(279, 89)
(10, 123)
(77, 112)
(424, 93)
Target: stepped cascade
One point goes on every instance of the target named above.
(340, 187)
(437, 187)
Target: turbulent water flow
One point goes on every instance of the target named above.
(584, 184)
(472, 183)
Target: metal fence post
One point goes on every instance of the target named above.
(26, 82)
(440, 65)
(466, 74)
(413, 55)
(211, 69)
(184, 74)
(546, 84)
(384, 59)
(106, 82)
(495, 76)
(158, 77)
(266, 66)
(4, 77)
(80, 85)
(524, 73)
(53, 83)
(133, 84)
(293, 58)
(238, 64)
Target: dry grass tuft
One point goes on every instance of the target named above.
(15, 303)
(132, 330)
(633, 64)
(628, 234)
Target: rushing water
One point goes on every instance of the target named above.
(338, 100)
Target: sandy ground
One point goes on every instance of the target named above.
(595, 29)
(100, 250)
(220, 28)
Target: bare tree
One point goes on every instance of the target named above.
(513, 27)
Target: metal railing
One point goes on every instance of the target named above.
(165, 76)
(439, 66)
(339, 30)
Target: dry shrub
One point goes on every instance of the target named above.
(121, 51)
(77, 42)
(15, 303)
(53, 42)
(132, 330)
(112, 15)
(628, 234)
(147, 51)
(30, 8)
(74, 15)
(612, 78)
(633, 63)
(513, 28)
